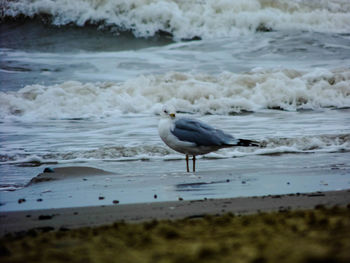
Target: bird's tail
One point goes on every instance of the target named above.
(247, 143)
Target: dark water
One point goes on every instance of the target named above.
(34, 38)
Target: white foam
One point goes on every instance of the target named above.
(270, 146)
(304, 144)
(215, 94)
(189, 18)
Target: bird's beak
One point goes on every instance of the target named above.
(172, 115)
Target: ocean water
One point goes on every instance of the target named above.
(83, 82)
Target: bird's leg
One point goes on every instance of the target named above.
(194, 163)
(188, 169)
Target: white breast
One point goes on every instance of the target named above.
(164, 128)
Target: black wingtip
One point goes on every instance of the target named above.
(248, 143)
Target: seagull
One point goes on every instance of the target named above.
(193, 137)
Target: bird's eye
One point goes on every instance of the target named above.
(165, 111)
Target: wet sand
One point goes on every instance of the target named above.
(61, 173)
(72, 186)
(76, 217)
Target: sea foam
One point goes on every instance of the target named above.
(186, 19)
(270, 146)
(223, 93)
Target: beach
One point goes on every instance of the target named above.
(82, 86)
(69, 218)
(306, 226)
(281, 228)
(73, 197)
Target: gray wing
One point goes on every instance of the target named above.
(200, 133)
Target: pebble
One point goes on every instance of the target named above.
(21, 200)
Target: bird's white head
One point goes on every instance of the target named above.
(168, 111)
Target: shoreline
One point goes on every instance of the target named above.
(78, 217)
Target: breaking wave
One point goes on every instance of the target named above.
(187, 19)
(115, 153)
(225, 93)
